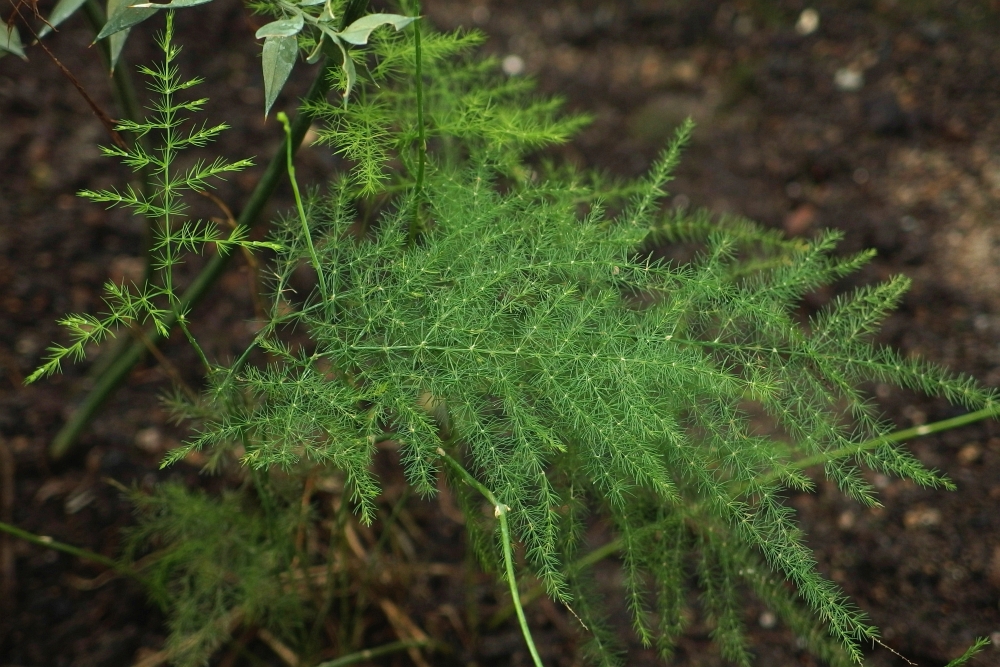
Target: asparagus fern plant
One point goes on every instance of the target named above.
(508, 328)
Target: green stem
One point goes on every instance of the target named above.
(595, 556)
(182, 323)
(283, 119)
(369, 653)
(127, 357)
(500, 511)
(49, 543)
(896, 436)
(418, 187)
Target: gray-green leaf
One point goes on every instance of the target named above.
(62, 11)
(310, 3)
(278, 60)
(122, 17)
(359, 31)
(282, 28)
(10, 40)
(349, 71)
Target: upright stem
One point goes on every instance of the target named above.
(418, 188)
(500, 511)
(283, 119)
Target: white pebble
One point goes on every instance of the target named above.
(848, 80)
(808, 22)
(513, 65)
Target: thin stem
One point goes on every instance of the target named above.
(896, 436)
(49, 543)
(536, 592)
(418, 186)
(500, 511)
(290, 166)
(182, 323)
(369, 653)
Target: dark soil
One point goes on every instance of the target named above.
(908, 163)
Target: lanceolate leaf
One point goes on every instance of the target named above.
(122, 17)
(62, 11)
(278, 60)
(349, 72)
(359, 31)
(10, 40)
(283, 28)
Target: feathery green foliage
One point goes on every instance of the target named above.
(219, 562)
(470, 311)
(174, 234)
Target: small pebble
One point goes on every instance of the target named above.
(513, 65)
(149, 440)
(808, 22)
(969, 454)
(922, 517)
(767, 620)
(848, 80)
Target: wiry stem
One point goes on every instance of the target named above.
(49, 543)
(895, 436)
(500, 511)
(418, 186)
(290, 166)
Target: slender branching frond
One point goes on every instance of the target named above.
(157, 299)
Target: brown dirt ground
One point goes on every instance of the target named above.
(909, 164)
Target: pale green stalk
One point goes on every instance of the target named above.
(418, 187)
(500, 511)
(290, 166)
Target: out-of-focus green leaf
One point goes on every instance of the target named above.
(62, 11)
(122, 17)
(173, 4)
(282, 28)
(359, 31)
(10, 40)
(278, 60)
(310, 3)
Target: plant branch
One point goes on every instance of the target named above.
(418, 186)
(49, 543)
(896, 436)
(532, 594)
(127, 357)
(500, 511)
(290, 167)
